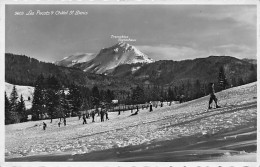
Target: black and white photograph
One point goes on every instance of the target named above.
(119, 82)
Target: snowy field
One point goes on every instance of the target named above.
(181, 132)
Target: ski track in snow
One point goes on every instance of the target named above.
(166, 123)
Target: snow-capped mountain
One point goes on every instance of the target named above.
(110, 58)
(75, 59)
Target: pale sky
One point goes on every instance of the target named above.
(163, 32)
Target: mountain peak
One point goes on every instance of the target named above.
(109, 58)
(123, 44)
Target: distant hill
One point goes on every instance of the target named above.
(75, 59)
(23, 70)
(203, 69)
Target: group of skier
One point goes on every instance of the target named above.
(104, 111)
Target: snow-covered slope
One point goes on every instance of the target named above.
(110, 58)
(179, 132)
(75, 59)
(26, 91)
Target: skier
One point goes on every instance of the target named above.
(93, 116)
(44, 125)
(212, 96)
(84, 119)
(102, 115)
(64, 121)
(151, 107)
(106, 115)
(161, 104)
(59, 124)
(135, 112)
(87, 115)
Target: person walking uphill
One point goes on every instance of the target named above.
(44, 125)
(212, 96)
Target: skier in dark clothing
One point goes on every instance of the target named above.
(59, 124)
(212, 96)
(151, 107)
(106, 115)
(137, 108)
(84, 119)
(44, 125)
(64, 121)
(93, 116)
(102, 115)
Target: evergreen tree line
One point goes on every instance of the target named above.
(188, 90)
(53, 100)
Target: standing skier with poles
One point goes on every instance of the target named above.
(212, 96)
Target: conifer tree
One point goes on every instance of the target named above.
(75, 99)
(63, 106)
(52, 97)
(109, 96)
(170, 94)
(7, 111)
(138, 95)
(95, 96)
(14, 105)
(22, 110)
(38, 98)
(155, 93)
(222, 80)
